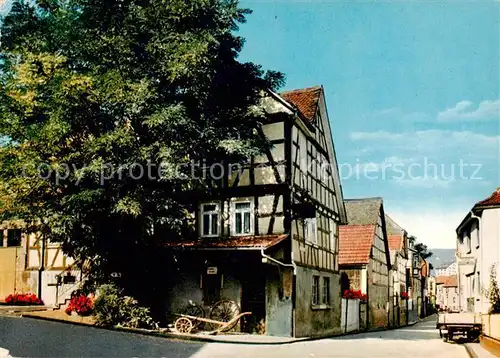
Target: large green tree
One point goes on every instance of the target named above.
(97, 96)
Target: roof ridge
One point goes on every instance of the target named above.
(369, 198)
(316, 87)
(492, 200)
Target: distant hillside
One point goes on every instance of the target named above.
(441, 257)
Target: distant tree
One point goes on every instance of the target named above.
(421, 250)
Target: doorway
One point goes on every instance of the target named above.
(253, 299)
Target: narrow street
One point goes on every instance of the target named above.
(31, 338)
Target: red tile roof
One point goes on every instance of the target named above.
(447, 281)
(244, 242)
(355, 243)
(305, 99)
(395, 242)
(494, 199)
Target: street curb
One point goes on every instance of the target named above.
(470, 351)
(195, 338)
(164, 334)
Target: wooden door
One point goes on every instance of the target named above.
(253, 299)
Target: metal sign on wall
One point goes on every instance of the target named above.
(212, 270)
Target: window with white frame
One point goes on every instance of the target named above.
(333, 233)
(311, 232)
(242, 221)
(326, 290)
(477, 237)
(467, 241)
(210, 219)
(315, 290)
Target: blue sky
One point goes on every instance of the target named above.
(406, 83)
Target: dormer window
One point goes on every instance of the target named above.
(467, 241)
(210, 219)
(242, 218)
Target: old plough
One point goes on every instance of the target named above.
(224, 315)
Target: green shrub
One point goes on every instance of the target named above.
(494, 291)
(111, 308)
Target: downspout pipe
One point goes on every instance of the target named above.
(293, 265)
(41, 268)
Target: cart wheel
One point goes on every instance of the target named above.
(196, 311)
(183, 325)
(225, 311)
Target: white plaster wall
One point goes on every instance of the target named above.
(489, 251)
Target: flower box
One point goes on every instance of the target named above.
(355, 294)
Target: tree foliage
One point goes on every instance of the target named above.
(421, 250)
(92, 91)
(493, 291)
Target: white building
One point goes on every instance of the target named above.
(478, 249)
(449, 269)
(447, 293)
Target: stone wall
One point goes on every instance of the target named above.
(490, 340)
(321, 319)
(491, 325)
(279, 306)
(378, 299)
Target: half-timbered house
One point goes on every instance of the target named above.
(365, 260)
(267, 238)
(28, 263)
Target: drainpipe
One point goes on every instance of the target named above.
(279, 262)
(42, 268)
(480, 259)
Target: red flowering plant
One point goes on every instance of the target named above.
(404, 295)
(23, 299)
(355, 295)
(81, 304)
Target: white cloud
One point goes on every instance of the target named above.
(435, 228)
(396, 113)
(433, 142)
(489, 109)
(427, 183)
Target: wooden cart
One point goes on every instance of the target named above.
(223, 316)
(466, 325)
(186, 323)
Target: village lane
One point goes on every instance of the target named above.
(31, 338)
(418, 341)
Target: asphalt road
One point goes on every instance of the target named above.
(31, 338)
